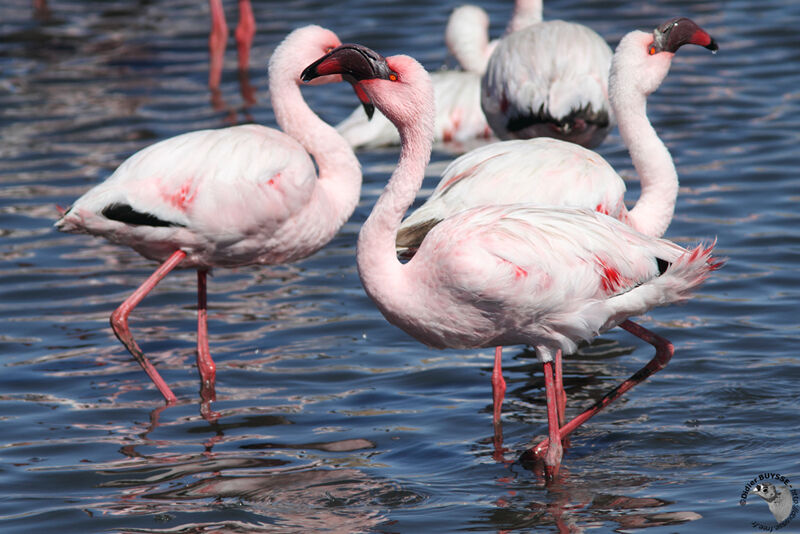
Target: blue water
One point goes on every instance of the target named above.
(331, 419)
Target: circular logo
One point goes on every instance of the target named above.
(782, 501)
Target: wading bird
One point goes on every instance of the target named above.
(229, 197)
(553, 172)
(544, 276)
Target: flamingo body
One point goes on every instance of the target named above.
(543, 171)
(549, 79)
(239, 197)
(547, 277)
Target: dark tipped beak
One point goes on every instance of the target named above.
(680, 31)
(354, 63)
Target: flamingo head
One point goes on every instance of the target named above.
(302, 46)
(642, 60)
(677, 32)
(399, 86)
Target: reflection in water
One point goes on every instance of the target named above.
(309, 497)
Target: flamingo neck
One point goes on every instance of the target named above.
(339, 182)
(653, 210)
(381, 273)
(526, 13)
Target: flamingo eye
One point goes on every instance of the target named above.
(651, 50)
(329, 49)
(393, 77)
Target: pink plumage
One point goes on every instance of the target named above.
(540, 275)
(230, 197)
(555, 172)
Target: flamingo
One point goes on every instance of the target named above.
(467, 32)
(459, 117)
(549, 79)
(554, 172)
(544, 276)
(217, 39)
(229, 197)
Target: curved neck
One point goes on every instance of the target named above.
(653, 210)
(339, 170)
(526, 12)
(381, 273)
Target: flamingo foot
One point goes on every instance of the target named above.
(664, 353)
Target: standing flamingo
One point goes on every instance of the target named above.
(459, 117)
(218, 38)
(549, 80)
(230, 197)
(553, 172)
(499, 275)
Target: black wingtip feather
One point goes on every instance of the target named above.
(126, 214)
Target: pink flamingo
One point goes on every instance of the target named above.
(457, 93)
(549, 79)
(554, 172)
(547, 277)
(218, 38)
(230, 197)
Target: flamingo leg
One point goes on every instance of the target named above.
(205, 364)
(498, 384)
(552, 458)
(664, 352)
(217, 40)
(119, 322)
(245, 31)
(561, 395)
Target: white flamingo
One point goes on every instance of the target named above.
(230, 197)
(549, 80)
(459, 118)
(553, 172)
(467, 32)
(547, 277)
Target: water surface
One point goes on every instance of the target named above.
(329, 418)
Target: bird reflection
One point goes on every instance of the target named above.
(307, 497)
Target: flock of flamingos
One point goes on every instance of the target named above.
(524, 241)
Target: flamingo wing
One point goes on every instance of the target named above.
(541, 171)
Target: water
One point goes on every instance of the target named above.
(331, 419)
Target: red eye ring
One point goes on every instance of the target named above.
(651, 50)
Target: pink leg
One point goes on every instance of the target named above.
(205, 364)
(664, 352)
(217, 41)
(552, 459)
(245, 31)
(498, 384)
(119, 322)
(561, 395)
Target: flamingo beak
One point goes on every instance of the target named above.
(680, 31)
(354, 63)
